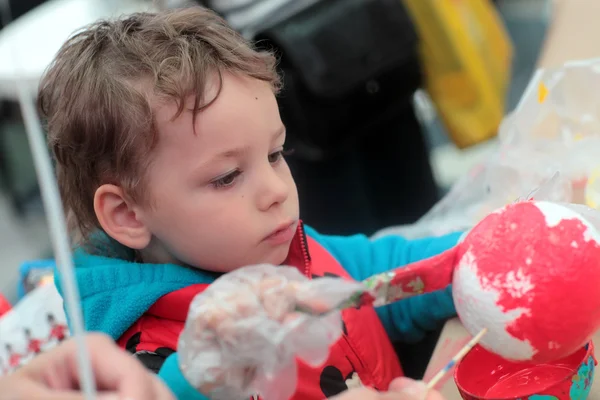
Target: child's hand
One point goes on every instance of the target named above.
(244, 332)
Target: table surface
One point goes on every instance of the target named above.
(570, 37)
(451, 339)
(28, 44)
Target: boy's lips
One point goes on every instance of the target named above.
(282, 234)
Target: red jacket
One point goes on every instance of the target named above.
(364, 354)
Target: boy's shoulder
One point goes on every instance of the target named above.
(115, 292)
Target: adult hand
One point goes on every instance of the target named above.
(400, 389)
(55, 375)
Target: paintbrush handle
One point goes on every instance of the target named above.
(461, 353)
(423, 276)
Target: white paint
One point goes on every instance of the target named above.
(574, 244)
(517, 284)
(528, 261)
(477, 308)
(556, 213)
(591, 234)
(499, 211)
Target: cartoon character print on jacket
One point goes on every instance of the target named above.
(332, 381)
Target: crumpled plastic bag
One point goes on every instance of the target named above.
(244, 332)
(554, 129)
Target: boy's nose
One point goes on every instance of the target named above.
(273, 191)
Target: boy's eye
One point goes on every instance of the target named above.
(226, 181)
(276, 156)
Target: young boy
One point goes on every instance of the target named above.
(170, 159)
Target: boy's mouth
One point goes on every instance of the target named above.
(283, 233)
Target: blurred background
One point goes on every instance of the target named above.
(414, 160)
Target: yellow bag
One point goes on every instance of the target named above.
(466, 54)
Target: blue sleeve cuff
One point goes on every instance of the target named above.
(171, 374)
(408, 320)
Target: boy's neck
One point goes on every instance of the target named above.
(156, 253)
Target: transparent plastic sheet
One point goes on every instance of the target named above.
(554, 129)
(485, 189)
(243, 333)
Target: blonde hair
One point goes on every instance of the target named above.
(101, 126)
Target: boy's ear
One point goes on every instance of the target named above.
(119, 219)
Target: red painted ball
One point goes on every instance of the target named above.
(530, 274)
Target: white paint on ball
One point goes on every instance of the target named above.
(517, 283)
(590, 234)
(556, 213)
(476, 305)
(500, 210)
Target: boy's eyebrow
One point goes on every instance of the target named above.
(241, 150)
(234, 152)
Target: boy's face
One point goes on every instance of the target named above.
(222, 197)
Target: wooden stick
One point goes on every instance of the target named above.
(462, 352)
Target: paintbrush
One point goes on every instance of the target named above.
(461, 353)
(423, 276)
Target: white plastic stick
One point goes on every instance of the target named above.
(59, 236)
(56, 221)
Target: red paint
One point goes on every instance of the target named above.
(5, 306)
(366, 300)
(528, 380)
(484, 375)
(564, 303)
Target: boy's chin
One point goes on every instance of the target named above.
(276, 256)
(279, 255)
